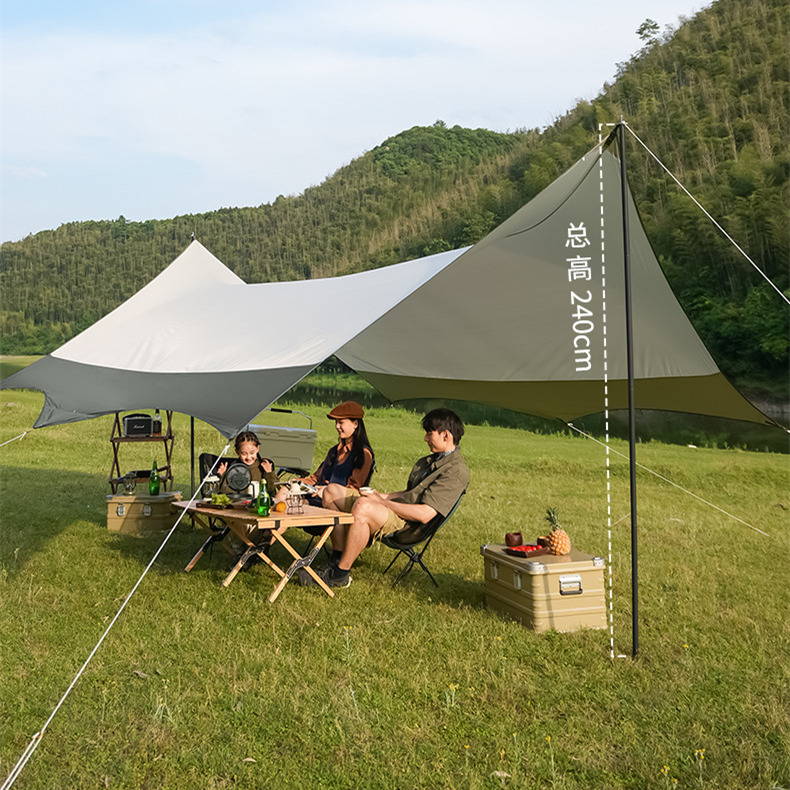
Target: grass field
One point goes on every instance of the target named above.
(198, 686)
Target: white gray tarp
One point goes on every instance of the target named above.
(531, 318)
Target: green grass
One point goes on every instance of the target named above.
(203, 687)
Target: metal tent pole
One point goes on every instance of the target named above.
(192, 453)
(631, 416)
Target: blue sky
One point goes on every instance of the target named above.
(154, 108)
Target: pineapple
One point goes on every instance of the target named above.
(558, 540)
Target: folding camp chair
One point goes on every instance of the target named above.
(406, 540)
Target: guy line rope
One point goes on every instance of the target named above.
(20, 437)
(36, 739)
(705, 212)
(667, 480)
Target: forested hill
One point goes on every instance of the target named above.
(710, 99)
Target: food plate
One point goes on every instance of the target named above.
(302, 488)
(527, 550)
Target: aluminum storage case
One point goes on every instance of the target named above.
(546, 592)
(292, 447)
(141, 514)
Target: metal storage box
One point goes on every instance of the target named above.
(546, 592)
(291, 447)
(141, 514)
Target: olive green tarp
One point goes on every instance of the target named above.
(532, 318)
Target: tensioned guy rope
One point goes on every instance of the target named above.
(36, 739)
(705, 212)
(667, 480)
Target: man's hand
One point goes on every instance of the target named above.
(421, 513)
(373, 495)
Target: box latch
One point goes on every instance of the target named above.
(120, 510)
(571, 584)
(146, 510)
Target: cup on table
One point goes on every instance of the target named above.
(211, 486)
(294, 504)
(514, 539)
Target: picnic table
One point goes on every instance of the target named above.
(242, 521)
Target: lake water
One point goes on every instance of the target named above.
(668, 427)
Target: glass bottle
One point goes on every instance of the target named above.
(264, 500)
(153, 481)
(156, 424)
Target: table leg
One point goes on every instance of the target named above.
(253, 550)
(302, 562)
(215, 536)
(232, 575)
(202, 550)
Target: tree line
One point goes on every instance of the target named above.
(709, 98)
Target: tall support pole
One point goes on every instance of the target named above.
(629, 341)
(192, 453)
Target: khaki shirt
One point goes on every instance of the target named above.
(436, 482)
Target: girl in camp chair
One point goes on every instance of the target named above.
(262, 471)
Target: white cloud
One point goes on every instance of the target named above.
(271, 101)
(25, 172)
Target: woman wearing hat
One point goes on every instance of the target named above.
(349, 464)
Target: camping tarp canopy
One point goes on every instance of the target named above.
(200, 341)
(531, 319)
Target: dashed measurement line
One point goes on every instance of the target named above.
(606, 391)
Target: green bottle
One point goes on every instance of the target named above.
(264, 500)
(153, 481)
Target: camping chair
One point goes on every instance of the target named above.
(406, 540)
(218, 527)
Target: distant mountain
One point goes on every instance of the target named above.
(710, 99)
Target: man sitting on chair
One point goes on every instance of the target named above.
(435, 483)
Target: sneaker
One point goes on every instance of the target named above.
(328, 577)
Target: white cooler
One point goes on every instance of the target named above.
(291, 447)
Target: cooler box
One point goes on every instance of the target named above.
(286, 446)
(141, 514)
(546, 592)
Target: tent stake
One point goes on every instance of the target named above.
(631, 416)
